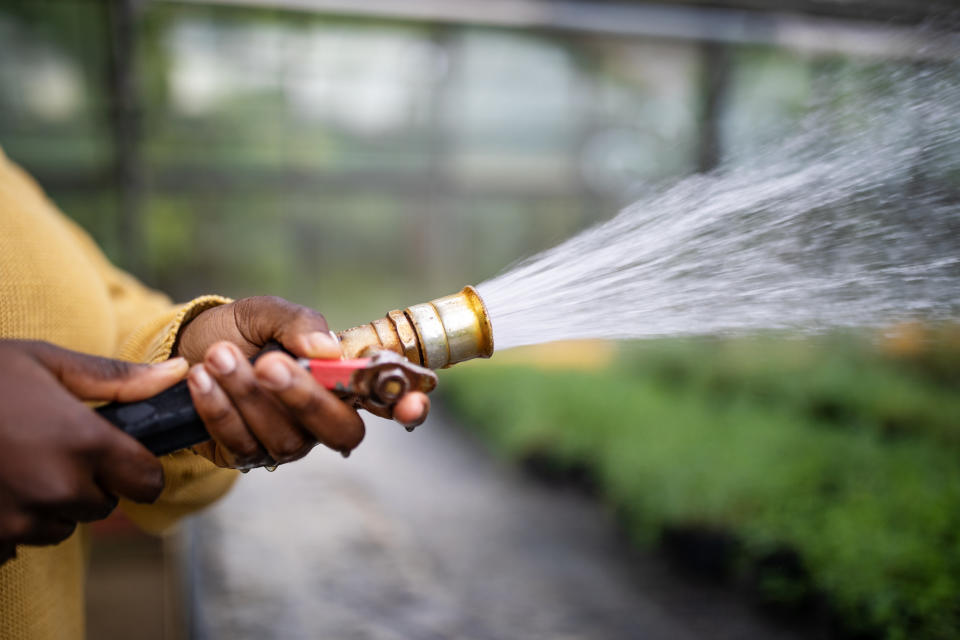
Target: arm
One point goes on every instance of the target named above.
(264, 414)
(148, 325)
(116, 316)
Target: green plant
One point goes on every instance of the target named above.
(844, 457)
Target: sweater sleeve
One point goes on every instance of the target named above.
(192, 481)
(147, 328)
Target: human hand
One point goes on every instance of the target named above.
(272, 411)
(61, 463)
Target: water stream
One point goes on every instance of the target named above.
(853, 220)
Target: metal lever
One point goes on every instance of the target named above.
(374, 383)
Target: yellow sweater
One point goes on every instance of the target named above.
(56, 285)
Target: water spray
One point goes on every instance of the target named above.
(840, 226)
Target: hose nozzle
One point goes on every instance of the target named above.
(434, 334)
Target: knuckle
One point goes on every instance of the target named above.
(245, 449)
(47, 355)
(288, 447)
(16, 527)
(350, 432)
(36, 347)
(306, 404)
(272, 301)
(112, 369)
(88, 436)
(310, 316)
(152, 482)
(245, 386)
(249, 307)
(58, 490)
(217, 413)
(245, 311)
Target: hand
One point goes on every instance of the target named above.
(60, 463)
(273, 411)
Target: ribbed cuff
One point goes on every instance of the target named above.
(187, 312)
(154, 340)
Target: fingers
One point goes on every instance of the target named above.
(412, 409)
(51, 507)
(124, 467)
(264, 416)
(94, 378)
(324, 415)
(302, 331)
(90, 505)
(274, 410)
(33, 529)
(68, 494)
(237, 444)
(93, 458)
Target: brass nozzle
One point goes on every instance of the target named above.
(436, 334)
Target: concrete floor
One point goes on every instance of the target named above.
(132, 589)
(424, 536)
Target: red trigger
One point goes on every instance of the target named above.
(336, 374)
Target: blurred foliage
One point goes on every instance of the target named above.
(831, 463)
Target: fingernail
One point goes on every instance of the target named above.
(177, 364)
(345, 453)
(160, 481)
(321, 345)
(222, 360)
(274, 375)
(200, 379)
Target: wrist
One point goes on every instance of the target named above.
(191, 319)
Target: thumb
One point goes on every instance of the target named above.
(95, 378)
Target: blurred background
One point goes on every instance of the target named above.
(363, 156)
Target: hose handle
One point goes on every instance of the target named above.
(168, 421)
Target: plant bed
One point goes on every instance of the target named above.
(784, 447)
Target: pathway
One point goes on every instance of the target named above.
(424, 536)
